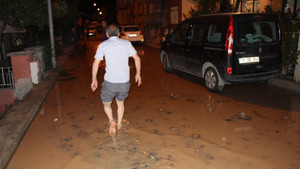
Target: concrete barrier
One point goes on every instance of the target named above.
(22, 74)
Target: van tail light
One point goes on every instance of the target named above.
(122, 34)
(229, 70)
(141, 33)
(229, 38)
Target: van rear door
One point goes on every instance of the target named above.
(257, 45)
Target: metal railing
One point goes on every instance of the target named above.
(6, 78)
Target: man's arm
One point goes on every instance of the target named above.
(137, 62)
(95, 68)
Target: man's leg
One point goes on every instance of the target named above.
(108, 111)
(109, 114)
(121, 109)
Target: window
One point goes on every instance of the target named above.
(181, 32)
(131, 29)
(174, 15)
(151, 8)
(197, 33)
(257, 32)
(214, 33)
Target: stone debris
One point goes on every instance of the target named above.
(240, 129)
(242, 116)
(191, 100)
(168, 112)
(196, 136)
(174, 128)
(68, 139)
(220, 100)
(174, 96)
(149, 120)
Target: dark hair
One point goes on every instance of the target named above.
(112, 30)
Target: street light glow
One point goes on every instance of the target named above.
(94, 4)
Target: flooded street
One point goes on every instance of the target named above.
(171, 122)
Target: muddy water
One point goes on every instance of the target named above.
(169, 123)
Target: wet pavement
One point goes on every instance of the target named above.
(171, 121)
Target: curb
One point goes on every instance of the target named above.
(286, 84)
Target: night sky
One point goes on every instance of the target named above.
(86, 7)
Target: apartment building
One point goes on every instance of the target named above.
(159, 17)
(155, 17)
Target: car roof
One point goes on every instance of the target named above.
(129, 26)
(227, 15)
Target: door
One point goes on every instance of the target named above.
(257, 47)
(194, 49)
(177, 46)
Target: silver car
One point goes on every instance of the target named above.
(132, 33)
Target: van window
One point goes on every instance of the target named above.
(198, 31)
(257, 32)
(181, 32)
(214, 33)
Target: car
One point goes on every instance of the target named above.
(132, 33)
(225, 48)
(92, 31)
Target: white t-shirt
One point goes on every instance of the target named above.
(116, 52)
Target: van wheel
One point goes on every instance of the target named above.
(165, 64)
(212, 80)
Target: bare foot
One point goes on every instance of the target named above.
(119, 126)
(112, 129)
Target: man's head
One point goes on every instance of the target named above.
(104, 24)
(112, 30)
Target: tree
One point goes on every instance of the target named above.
(203, 7)
(30, 14)
(236, 6)
(225, 6)
(210, 6)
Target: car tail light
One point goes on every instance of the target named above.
(229, 38)
(229, 70)
(141, 33)
(122, 34)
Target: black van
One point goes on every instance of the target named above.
(225, 48)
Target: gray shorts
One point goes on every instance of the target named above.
(111, 90)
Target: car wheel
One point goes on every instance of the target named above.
(212, 80)
(165, 64)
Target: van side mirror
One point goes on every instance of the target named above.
(169, 37)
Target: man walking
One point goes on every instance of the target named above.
(104, 25)
(116, 79)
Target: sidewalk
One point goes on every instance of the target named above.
(17, 119)
(286, 84)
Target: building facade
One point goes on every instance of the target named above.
(159, 17)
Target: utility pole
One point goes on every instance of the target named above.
(51, 34)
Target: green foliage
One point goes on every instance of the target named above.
(33, 16)
(210, 6)
(203, 7)
(290, 39)
(21, 13)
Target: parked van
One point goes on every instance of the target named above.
(225, 48)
